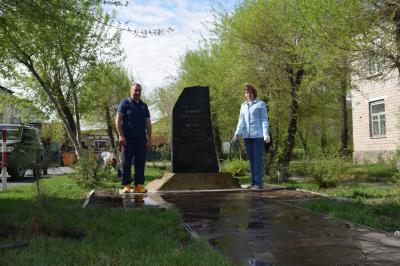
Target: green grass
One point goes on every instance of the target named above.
(376, 205)
(352, 190)
(384, 215)
(366, 172)
(150, 174)
(373, 172)
(69, 234)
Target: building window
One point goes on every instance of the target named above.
(377, 119)
(374, 66)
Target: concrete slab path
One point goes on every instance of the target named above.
(258, 228)
(262, 228)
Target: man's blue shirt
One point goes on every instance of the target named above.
(134, 115)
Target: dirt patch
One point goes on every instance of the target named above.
(108, 197)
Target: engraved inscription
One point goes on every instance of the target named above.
(192, 140)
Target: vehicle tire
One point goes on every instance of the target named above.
(16, 172)
(45, 172)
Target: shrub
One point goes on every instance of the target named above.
(86, 169)
(327, 172)
(236, 167)
(298, 168)
(374, 171)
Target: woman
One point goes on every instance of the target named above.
(253, 128)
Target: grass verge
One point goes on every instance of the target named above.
(376, 205)
(64, 233)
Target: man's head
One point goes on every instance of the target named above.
(136, 91)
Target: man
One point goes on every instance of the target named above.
(134, 130)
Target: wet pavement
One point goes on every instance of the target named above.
(261, 228)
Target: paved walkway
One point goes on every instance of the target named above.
(259, 228)
(28, 179)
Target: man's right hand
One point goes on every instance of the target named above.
(122, 141)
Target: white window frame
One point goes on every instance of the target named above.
(374, 66)
(377, 117)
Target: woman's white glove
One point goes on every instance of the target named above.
(267, 139)
(234, 139)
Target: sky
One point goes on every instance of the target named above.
(153, 59)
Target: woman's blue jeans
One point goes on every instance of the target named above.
(255, 154)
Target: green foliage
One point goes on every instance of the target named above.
(49, 46)
(327, 172)
(371, 204)
(87, 168)
(236, 167)
(52, 132)
(374, 171)
(251, 45)
(384, 216)
(108, 83)
(298, 168)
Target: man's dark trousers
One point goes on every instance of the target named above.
(136, 150)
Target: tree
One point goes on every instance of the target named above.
(55, 43)
(106, 85)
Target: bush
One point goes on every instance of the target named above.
(298, 168)
(298, 154)
(236, 167)
(327, 172)
(86, 169)
(374, 171)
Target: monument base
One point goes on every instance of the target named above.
(193, 181)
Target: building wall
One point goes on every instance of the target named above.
(367, 148)
(9, 114)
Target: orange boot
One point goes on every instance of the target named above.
(127, 189)
(140, 189)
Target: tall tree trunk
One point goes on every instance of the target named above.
(344, 149)
(303, 140)
(396, 19)
(276, 144)
(295, 77)
(73, 87)
(217, 137)
(323, 130)
(77, 116)
(62, 110)
(110, 130)
(269, 160)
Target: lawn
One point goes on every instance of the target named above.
(64, 233)
(150, 173)
(366, 195)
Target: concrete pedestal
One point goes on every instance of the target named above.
(193, 181)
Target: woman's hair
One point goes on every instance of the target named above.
(249, 87)
(136, 84)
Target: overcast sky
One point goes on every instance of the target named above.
(151, 60)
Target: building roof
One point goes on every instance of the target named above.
(6, 90)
